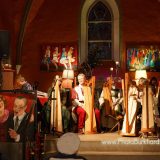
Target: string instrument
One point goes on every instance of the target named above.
(125, 97)
(126, 100)
(91, 83)
(107, 96)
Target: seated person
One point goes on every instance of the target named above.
(82, 101)
(65, 111)
(110, 101)
(117, 100)
(57, 110)
(22, 84)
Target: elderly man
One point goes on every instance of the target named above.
(20, 123)
(82, 100)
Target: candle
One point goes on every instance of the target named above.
(111, 69)
(117, 63)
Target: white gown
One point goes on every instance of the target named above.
(132, 109)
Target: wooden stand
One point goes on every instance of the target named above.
(8, 77)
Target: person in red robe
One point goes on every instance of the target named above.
(81, 96)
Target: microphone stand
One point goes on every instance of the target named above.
(52, 129)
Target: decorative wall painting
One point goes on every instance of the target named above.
(57, 57)
(143, 57)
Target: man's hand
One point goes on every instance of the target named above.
(12, 133)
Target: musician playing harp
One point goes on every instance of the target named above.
(82, 100)
(132, 111)
(110, 104)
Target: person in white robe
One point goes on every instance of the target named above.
(132, 110)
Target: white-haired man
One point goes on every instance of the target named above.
(82, 100)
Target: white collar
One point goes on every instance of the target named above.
(20, 117)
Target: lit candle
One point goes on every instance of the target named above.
(117, 63)
(111, 69)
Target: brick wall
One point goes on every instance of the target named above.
(59, 21)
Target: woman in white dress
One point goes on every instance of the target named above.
(132, 111)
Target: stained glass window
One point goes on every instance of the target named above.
(99, 33)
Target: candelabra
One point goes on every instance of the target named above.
(117, 68)
(111, 71)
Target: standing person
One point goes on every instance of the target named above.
(22, 83)
(20, 123)
(4, 114)
(132, 111)
(141, 84)
(147, 110)
(82, 100)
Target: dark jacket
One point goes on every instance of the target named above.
(26, 129)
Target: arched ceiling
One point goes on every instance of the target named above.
(30, 10)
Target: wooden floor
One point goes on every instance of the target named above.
(112, 146)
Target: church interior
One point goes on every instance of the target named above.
(88, 67)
